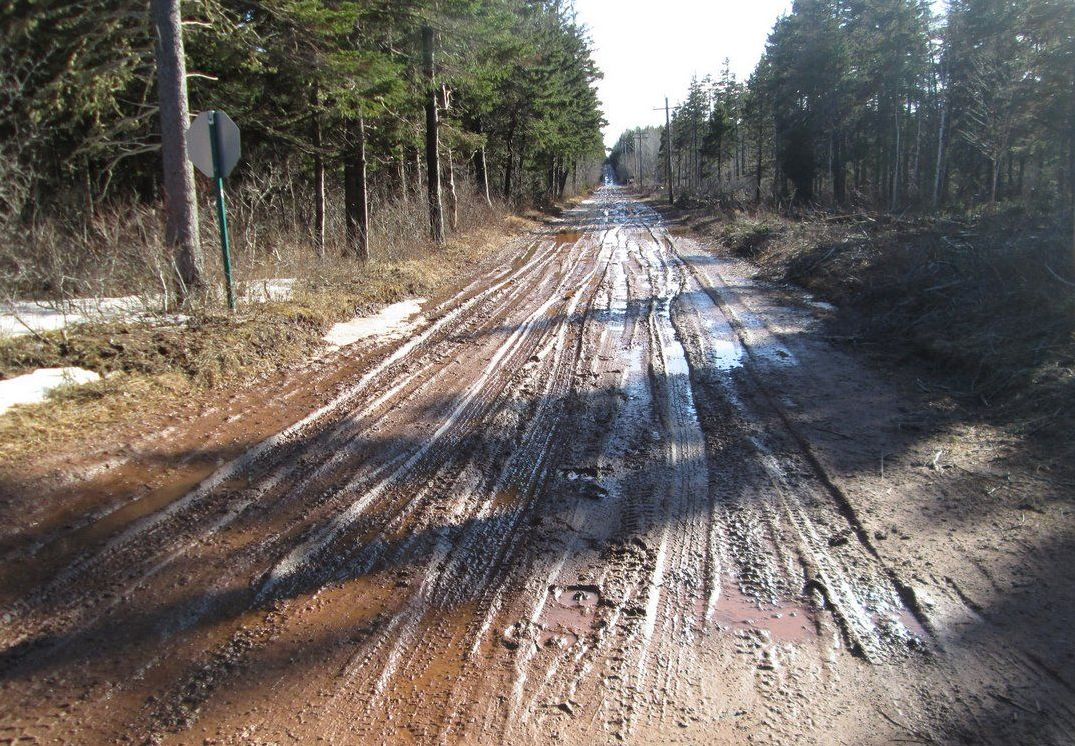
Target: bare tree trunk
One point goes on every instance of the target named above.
(839, 171)
(350, 205)
(510, 146)
(779, 182)
(453, 198)
(180, 199)
(994, 168)
(87, 186)
(363, 246)
(668, 153)
(482, 168)
(757, 168)
(319, 174)
(916, 178)
(404, 187)
(356, 201)
(507, 173)
(695, 163)
(1071, 166)
(483, 176)
(1011, 174)
(419, 179)
(700, 161)
(942, 153)
(895, 202)
(436, 209)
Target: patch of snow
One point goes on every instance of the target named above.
(16, 316)
(391, 318)
(260, 291)
(32, 387)
(820, 304)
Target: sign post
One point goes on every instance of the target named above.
(214, 149)
(221, 208)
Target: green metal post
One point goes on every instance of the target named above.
(221, 210)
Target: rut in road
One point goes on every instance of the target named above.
(535, 511)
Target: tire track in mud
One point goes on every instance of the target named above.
(857, 612)
(548, 505)
(671, 603)
(514, 342)
(276, 447)
(215, 481)
(470, 573)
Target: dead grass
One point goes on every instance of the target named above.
(152, 366)
(85, 412)
(976, 298)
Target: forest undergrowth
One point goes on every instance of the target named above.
(159, 360)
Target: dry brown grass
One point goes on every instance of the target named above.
(85, 413)
(974, 297)
(152, 365)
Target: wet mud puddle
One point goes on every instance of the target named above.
(569, 615)
(567, 238)
(783, 622)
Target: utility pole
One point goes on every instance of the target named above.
(668, 150)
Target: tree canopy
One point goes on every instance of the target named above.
(78, 116)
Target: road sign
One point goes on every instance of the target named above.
(200, 143)
(213, 147)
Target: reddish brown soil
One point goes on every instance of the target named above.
(614, 490)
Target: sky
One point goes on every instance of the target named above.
(648, 49)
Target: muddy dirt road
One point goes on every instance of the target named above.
(615, 491)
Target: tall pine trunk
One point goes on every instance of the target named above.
(319, 174)
(1071, 168)
(481, 168)
(356, 195)
(757, 173)
(180, 199)
(839, 172)
(419, 179)
(994, 177)
(942, 153)
(436, 209)
(453, 198)
(509, 160)
(896, 164)
(362, 249)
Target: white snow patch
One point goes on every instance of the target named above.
(391, 318)
(259, 291)
(26, 316)
(16, 316)
(820, 304)
(32, 387)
